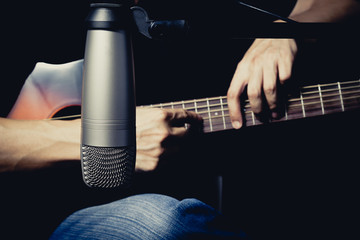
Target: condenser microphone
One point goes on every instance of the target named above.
(108, 140)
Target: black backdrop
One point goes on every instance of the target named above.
(291, 180)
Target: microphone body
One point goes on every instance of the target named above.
(108, 138)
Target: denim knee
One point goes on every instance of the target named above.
(137, 217)
(196, 220)
(146, 216)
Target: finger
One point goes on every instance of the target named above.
(235, 90)
(255, 86)
(285, 69)
(178, 117)
(286, 61)
(178, 131)
(270, 75)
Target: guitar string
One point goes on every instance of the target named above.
(306, 87)
(290, 107)
(204, 100)
(225, 119)
(249, 118)
(198, 101)
(331, 84)
(219, 125)
(298, 107)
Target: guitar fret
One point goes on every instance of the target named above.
(222, 112)
(208, 107)
(253, 117)
(333, 99)
(349, 92)
(228, 124)
(321, 100)
(302, 104)
(217, 114)
(341, 97)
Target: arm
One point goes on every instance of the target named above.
(269, 61)
(324, 10)
(34, 144)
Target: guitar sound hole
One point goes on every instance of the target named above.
(73, 112)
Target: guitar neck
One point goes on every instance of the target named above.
(315, 100)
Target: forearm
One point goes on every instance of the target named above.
(324, 10)
(36, 144)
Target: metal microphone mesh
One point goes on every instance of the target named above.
(108, 167)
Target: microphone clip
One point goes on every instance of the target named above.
(159, 29)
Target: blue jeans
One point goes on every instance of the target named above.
(146, 217)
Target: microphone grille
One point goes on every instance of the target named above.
(108, 167)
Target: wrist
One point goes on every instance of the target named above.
(64, 131)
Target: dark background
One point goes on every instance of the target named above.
(296, 179)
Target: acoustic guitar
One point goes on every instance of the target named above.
(51, 88)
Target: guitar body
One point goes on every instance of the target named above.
(48, 89)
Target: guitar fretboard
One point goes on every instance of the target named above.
(315, 100)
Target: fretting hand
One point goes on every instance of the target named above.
(266, 63)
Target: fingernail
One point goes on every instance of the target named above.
(236, 124)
